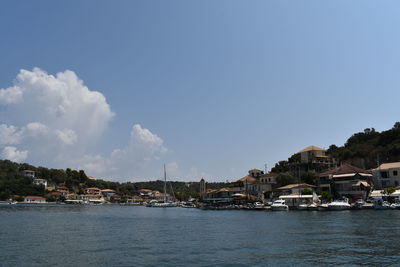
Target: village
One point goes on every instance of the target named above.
(337, 186)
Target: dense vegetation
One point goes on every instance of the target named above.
(14, 185)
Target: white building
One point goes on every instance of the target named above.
(387, 175)
(40, 182)
(28, 173)
(34, 199)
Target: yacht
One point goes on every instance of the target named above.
(165, 203)
(339, 205)
(279, 205)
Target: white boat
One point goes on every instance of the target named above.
(322, 207)
(381, 205)
(165, 203)
(279, 205)
(312, 206)
(302, 207)
(339, 205)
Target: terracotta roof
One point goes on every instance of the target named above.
(34, 197)
(311, 148)
(93, 188)
(293, 186)
(39, 179)
(28, 171)
(344, 169)
(391, 165)
(107, 190)
(144, 190)
(247, 179)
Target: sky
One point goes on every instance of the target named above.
(210, 88)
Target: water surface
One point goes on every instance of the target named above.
(138, 236)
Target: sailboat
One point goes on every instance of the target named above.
(166, 203)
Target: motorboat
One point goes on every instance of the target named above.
(259, 206)
(381, 205)
(312, 206)
(279, 205)
(302, 207)
(339, 205)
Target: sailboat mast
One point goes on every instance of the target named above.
(165, 185)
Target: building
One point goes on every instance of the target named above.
(39, 181)
(294, 195)
(92, 191)
(387, 175)
(34, 199)
(315, 155)
(108, 193)
(257, 183)
(346, 180)
(28, 173)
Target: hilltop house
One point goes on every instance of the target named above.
(346, 180)
(39, 181)
(314, 154)
(28, 173)
(387, 175)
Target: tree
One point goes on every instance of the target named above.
(308, 177)
(284, 179)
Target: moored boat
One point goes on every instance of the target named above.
(279, 205)
(339, 205)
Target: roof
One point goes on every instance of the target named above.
(344, 169)
(351, 174)
(28, 171)
(34, 197)
(144, 190)
(268, 175)
(294, 186)
(311, 148)
(296, 196)
(39, 179)
(93, 188)
(247, 179)
(107, 190)
(391, 165)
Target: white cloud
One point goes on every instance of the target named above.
(59, 121)
(10, 95)
(10, 135)
(143, 149)
(11, 153)
(67, 136)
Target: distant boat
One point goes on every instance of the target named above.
(165, 203)
(279, 205)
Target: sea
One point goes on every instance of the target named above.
(108, 235)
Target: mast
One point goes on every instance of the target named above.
(165, 185)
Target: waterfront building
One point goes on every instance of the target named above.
(39, 181)
(34, 199)
(108, 193)
(92, 198)
(346, 180)
(63, 190)
(92, 191)
(257, 183)
(294, 194)
(387, 175)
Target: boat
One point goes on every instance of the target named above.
(279, 205)
(381, 205)
(312, 206)
(339, 205)
(302, 207)
(165, 203)
(322, 207)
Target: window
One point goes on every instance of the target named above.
(396, 183)
(384, 174)
(394, 173)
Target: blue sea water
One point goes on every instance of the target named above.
(138, 236)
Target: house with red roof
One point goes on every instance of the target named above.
(34, 200)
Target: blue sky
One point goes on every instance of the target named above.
(212, 88)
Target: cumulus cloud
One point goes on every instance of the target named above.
(10, 135)
(47, 113)
(143, 148)
(11, 153)
(59, 120)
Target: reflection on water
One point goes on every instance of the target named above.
(125, 236)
